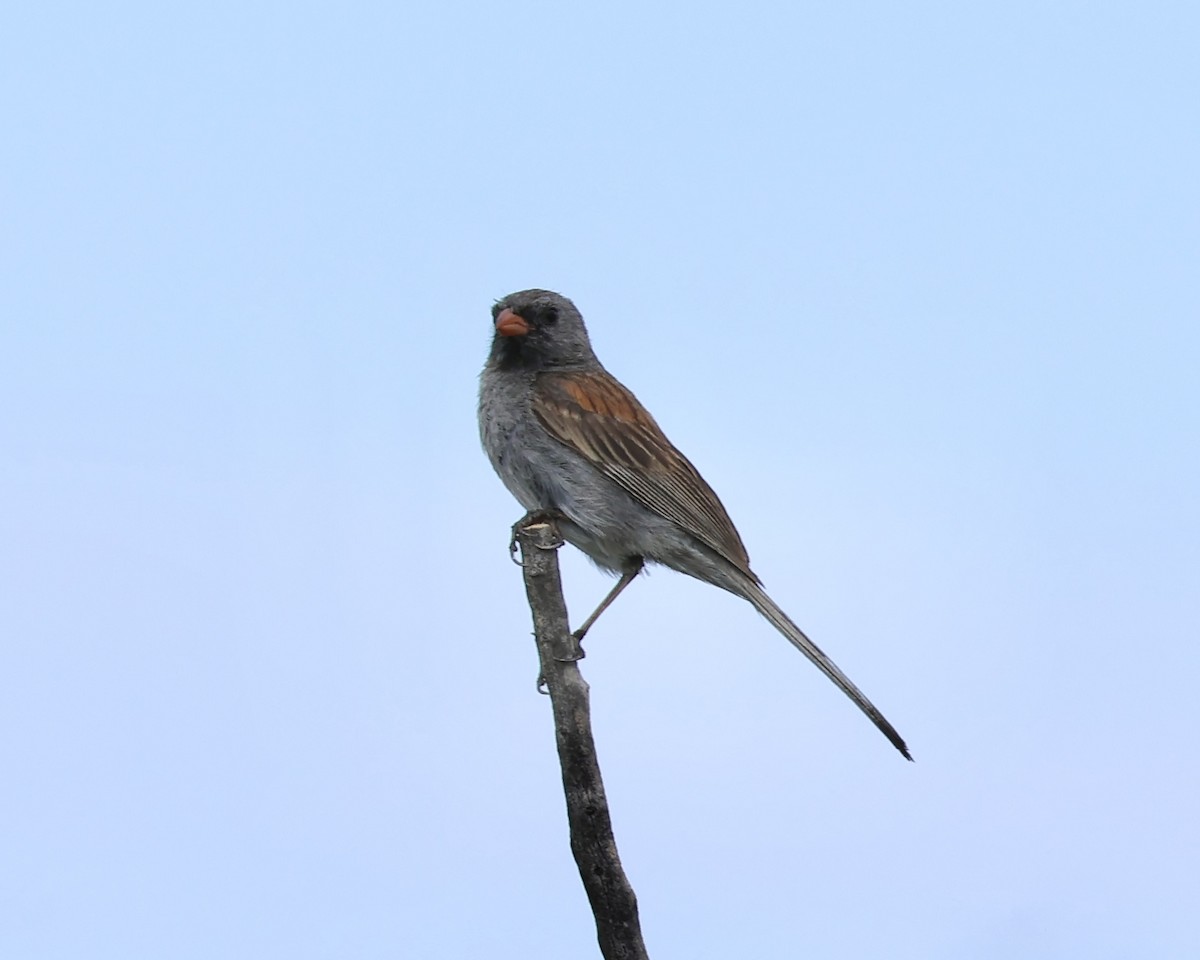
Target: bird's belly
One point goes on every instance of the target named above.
(598, 518)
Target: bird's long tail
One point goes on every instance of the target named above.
(769, 609)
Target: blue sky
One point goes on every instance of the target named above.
(915, 286)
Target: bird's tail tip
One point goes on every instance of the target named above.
(771, 610)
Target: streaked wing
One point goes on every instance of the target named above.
(597, 417)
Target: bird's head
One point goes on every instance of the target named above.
(537, 329)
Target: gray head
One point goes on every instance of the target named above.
(537, 329)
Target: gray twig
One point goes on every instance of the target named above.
(613, 902)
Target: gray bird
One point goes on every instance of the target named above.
(571, 442)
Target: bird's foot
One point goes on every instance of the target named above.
(550, 517)
(542, 687)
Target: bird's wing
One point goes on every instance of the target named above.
(598, 418)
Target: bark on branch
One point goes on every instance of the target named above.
(613, 902)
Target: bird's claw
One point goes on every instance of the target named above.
(550, 517)
(580, 653)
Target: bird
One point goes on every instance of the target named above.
(571, 442)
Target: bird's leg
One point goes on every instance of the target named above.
(632, 569)
(534, 516)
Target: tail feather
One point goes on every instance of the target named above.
(769, 609)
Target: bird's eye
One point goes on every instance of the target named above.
(549, 315)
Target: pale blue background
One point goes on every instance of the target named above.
(915, 285)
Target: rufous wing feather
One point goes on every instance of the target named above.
(593, 414)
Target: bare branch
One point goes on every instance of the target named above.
(613, 902)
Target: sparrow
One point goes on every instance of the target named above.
(571, 442)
